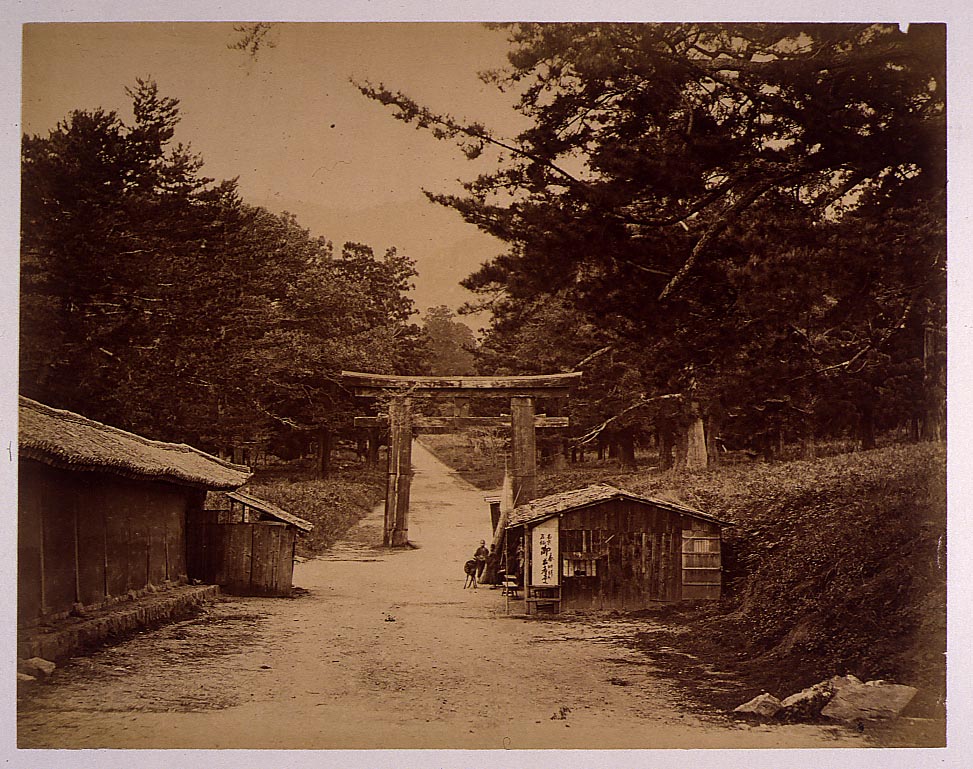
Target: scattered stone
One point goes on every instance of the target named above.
(38, 667)
(806, 704)
(837, 683)
(25, 677)
(874, 700)
(763, 705)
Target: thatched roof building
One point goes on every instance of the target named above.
(70, 441)
(102, 513)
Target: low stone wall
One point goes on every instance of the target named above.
(74, 635)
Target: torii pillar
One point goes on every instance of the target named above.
(399, 479)
(523, 449)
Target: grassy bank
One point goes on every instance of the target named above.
(333, 505)
(834, 566)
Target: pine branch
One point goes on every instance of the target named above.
(446, 127)
(743, 202)
(589, 436)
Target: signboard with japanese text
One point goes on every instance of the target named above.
(544, 554)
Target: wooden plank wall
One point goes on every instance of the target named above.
(91, 537)
(638, 551)
(242, 558)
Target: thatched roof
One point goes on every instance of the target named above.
(541, 509)
(72, 442)
(270, 509)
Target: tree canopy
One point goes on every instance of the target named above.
(157, 300)
(450, 344)
(752, 215)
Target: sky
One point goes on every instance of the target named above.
(294, 130)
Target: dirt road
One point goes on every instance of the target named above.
(386, 650)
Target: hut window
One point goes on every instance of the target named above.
(578, 567)
(580, 550)
(700, 558)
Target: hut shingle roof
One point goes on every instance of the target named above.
(72, 442)
(547, 507)
(268, 508)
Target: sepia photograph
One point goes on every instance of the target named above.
(477, 386)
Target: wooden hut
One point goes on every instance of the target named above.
(604, 548)
(246, 546)
(102, 513)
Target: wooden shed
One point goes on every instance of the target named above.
(102, 513)
(604, 548)
(246, 546)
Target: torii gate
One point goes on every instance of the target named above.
(522, 420)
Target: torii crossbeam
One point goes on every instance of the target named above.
(521, 389)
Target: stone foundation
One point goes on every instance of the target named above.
(73, 635)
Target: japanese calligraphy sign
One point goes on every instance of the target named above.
(544, 554)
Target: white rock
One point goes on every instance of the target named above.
(868, 701)
(764, 705)
(37, 667)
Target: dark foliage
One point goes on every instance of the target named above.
(157, 301)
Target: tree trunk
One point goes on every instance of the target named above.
(322, 459)
(626, 448)
(866, 424)
(767, 445)
(666, 445)
(933, 387)
(680, 447)
(696, 453)
(374, 438)
(712, 429)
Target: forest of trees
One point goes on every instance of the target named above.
(158, 301)
(737, 231)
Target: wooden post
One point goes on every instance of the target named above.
(523, 449)
(77, 559)
(392, 478)
(399, 474)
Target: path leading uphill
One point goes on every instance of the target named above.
(386, 650)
